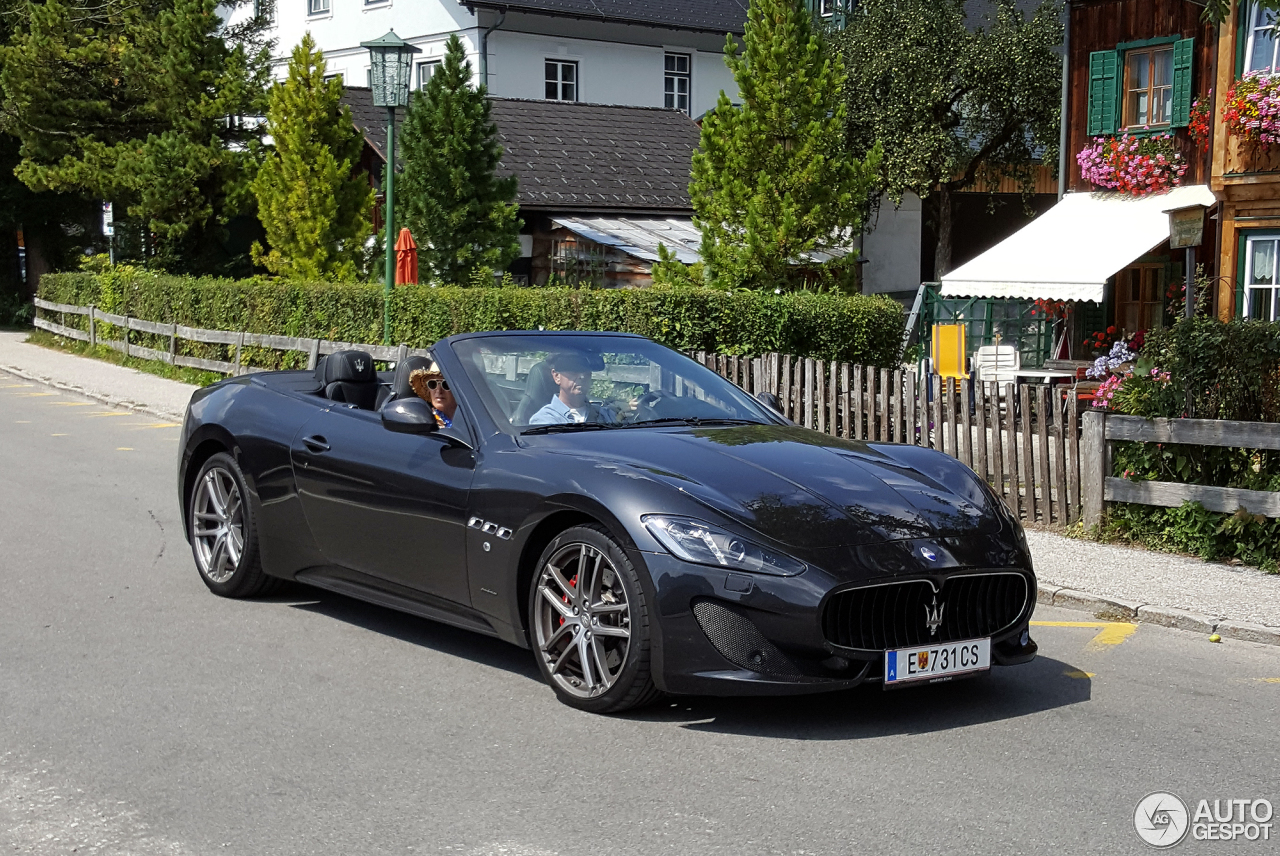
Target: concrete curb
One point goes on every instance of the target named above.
(1111, 609)
(96, 396)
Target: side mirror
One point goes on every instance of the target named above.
(409, 416)
(770, 400)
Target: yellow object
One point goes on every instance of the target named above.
(948, 350)
(1214, 637)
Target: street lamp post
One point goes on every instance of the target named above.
(391, 58)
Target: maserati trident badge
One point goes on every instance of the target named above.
(933, 616)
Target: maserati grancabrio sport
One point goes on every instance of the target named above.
(639, 522)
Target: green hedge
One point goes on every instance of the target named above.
(866, 330)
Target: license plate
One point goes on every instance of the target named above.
(936, 662)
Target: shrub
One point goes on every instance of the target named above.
(857, 329)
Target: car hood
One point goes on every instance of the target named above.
(801, 488)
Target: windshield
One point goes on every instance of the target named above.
(545, 384)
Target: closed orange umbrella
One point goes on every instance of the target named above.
(406, 259)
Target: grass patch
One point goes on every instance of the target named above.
(198, 377)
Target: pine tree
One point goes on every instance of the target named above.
(772, 183)
(141, 103)
(314, 208)
(462, 215)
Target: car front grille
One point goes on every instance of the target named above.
(897, 615)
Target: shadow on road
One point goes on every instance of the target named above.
(409, 628)
(867, 711)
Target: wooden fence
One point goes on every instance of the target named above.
(1100, 487)
(1023, 439)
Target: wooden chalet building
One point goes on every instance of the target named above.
(1245, 177)
(600, 185)
(1135, 68)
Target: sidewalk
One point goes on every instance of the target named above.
(110, 384)
(1115, 582)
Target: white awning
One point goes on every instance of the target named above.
(1070, 251)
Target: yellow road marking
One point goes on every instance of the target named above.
(17, 386)
(22, 422)
(72, 403)
(110, 413)
(1268, 680)
(1109, 632)
(158, 425)
(123, 449)
(1079, 675)
(57, 435)
(35, 394)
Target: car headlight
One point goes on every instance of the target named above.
(703, 544)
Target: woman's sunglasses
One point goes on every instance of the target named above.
(435, 384)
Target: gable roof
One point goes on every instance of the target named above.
(597, 157)
(714, 16)
(577, 157)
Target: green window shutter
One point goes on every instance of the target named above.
(1103, 77)
(1241, 248)
(1183, 51)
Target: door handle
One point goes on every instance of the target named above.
(316, 444)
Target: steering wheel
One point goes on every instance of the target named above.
(647, 405)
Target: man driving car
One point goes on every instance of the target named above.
(572, 376)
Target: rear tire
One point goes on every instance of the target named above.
(224, 534)
(589, 623)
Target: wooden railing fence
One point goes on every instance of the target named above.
(1099, 486)
(1022, 439)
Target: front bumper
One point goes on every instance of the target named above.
(728, 633)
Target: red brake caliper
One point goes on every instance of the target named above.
(565, 598)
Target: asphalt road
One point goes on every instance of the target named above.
(140, 714)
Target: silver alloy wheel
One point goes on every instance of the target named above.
(217, 525)
(582, 620)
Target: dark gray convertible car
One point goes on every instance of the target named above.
(641, 523)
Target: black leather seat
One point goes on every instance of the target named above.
(348, 377)
(400, 387)
(539, 389)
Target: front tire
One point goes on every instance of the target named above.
(589, 623)
(224, 537)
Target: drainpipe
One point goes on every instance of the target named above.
(1066, 88)
(484, 49)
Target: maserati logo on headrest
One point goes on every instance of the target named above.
(359, 365)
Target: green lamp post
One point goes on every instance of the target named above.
(391, 58)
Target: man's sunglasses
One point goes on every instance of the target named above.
(435, 383)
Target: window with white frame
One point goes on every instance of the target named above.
(562, 80)
(1260, 275)
(1260, 52)
(826, 8)
(678, 79)
(425, 70)
(318, 7)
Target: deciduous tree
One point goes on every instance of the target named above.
(461, 213)
(314, 207)
(953, 107)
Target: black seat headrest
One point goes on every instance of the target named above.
(400, 387)
(539, 389)
(348, 366)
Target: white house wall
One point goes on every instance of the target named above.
(617, 63)
(891, 248)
